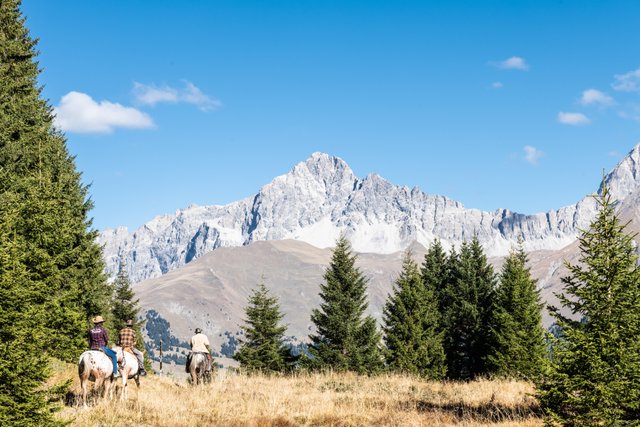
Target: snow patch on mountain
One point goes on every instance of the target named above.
(321, 198)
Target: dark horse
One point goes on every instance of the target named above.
(199, 368)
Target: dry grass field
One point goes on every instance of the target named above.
(310, 400)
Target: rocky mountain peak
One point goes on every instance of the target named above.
(323, 168)
(321, 198)
(624, 179)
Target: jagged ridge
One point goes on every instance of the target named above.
(321, 198)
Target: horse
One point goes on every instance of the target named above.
(96, 366)
(198, 369)
(128, 368)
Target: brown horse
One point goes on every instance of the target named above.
(95, 366)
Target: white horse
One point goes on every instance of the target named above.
(128, 368)
(199, 369)
(95, 366)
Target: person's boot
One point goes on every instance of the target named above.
(116, 375)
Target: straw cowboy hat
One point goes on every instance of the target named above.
(98, 319)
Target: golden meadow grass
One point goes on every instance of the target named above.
(309, 400)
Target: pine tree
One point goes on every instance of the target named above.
(345, 339)
(263, 348)
(124, 306)
(518, 336)
(436, 274)
(411, 326)
(468, 312)
(63, 261)
(595, 375)
(23, 366)
(51, 269)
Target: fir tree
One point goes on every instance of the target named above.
(411, 326)
(345, 339)
(124, 306)
(62, 259)
(51, 269)
(518, 336)
(23, 365)
(263, 348)
(467, 312)
(436, 274)
(595, 375)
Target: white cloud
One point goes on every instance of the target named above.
(190, 94)
(595, 97)
(628, 82)
(632, 113)
(574, 119)
(513, 63)
(497, 85)
(151, 95)
(78, 112)
(532, 154)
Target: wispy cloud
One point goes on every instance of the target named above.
(574, 119)
(497, 85)
(189, 93)
(532, 154)
(152, 95)
(632, 112)
(596, 97)
(78, 112)
(513, 63)
(628, 82)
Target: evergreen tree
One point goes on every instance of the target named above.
(468, 312)
(411, 326)
(62, 260)
(595, 374)
(124, 306)
(263, 348)
(51, 269)
(23, 366)
(345, 339)
(436, 274)
(518, 336)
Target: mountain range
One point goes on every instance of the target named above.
(197, 266)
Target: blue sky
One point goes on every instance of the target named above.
(496, 104)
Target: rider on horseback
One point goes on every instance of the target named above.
(127, 340)
(200, 344)
(98, 340)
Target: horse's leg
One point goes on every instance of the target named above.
(125, 391)
(83, 387)
(97, 385)
(108, 388)
(194, 377)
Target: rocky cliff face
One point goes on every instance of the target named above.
(321, 198)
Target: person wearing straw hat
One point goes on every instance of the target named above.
(98, 340)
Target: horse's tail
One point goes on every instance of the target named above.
(82, 366)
